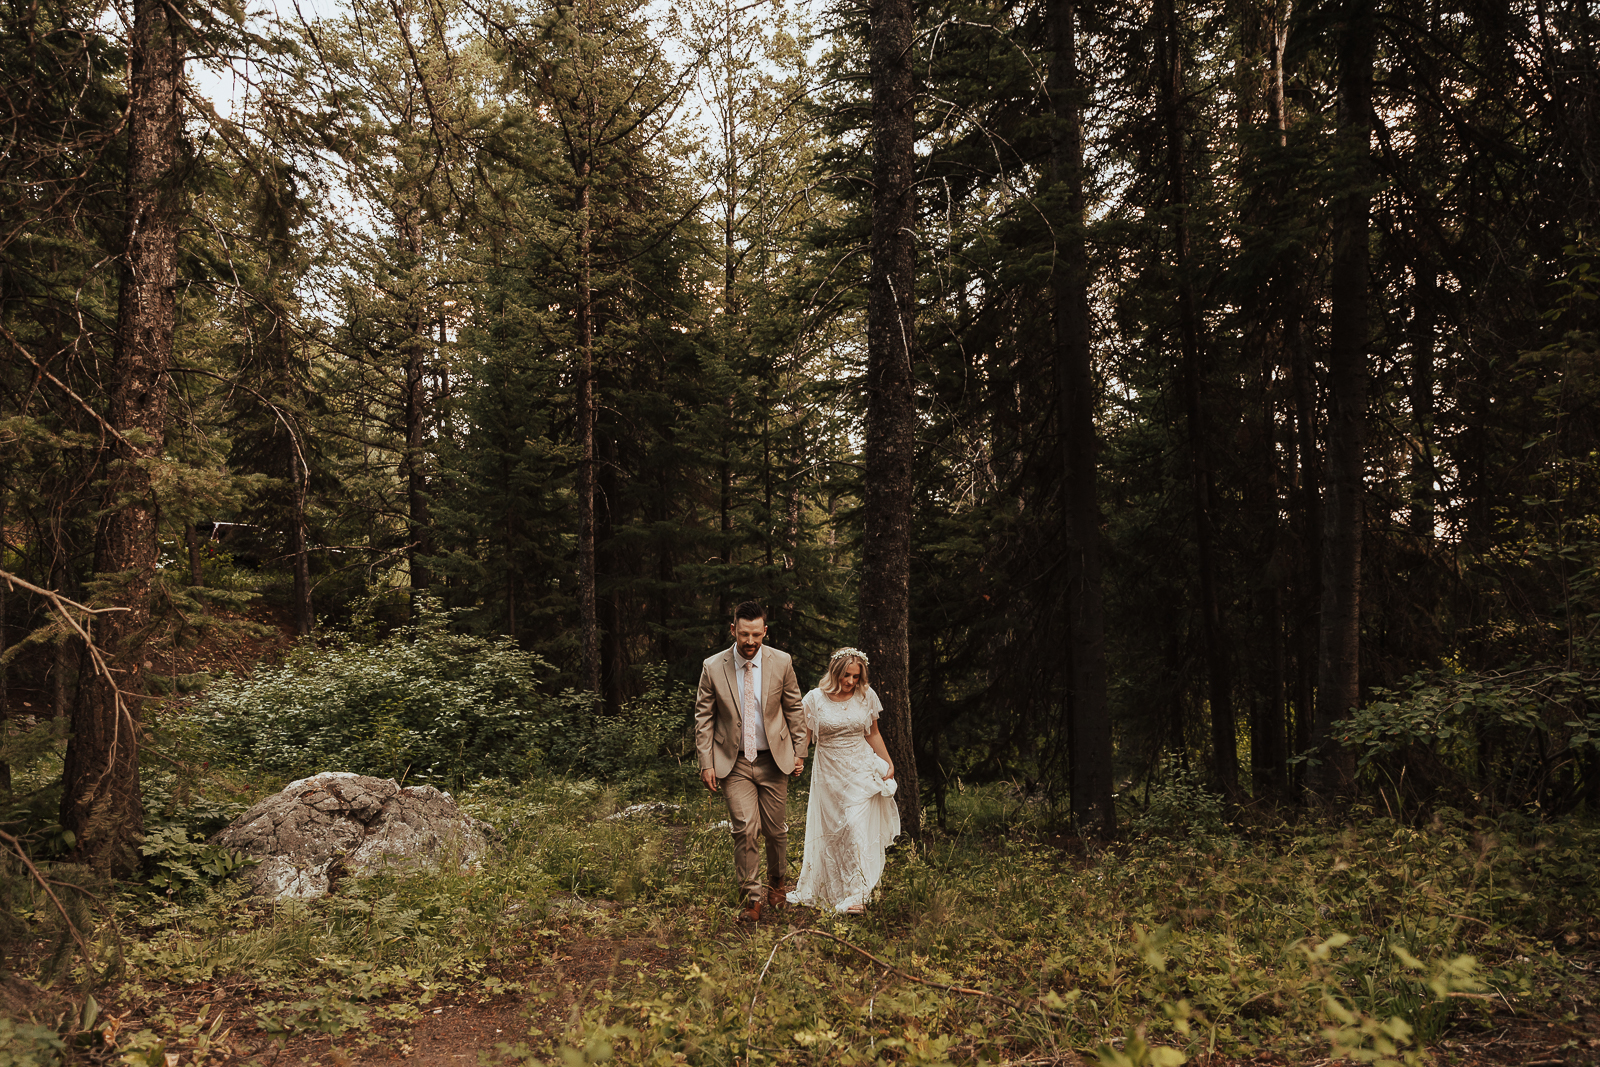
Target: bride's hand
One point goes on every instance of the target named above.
(890, 773)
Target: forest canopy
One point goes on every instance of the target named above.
(1157, 389)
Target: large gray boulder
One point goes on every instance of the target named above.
(337, 824)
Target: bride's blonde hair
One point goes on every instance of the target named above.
(836, 668)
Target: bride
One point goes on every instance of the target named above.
(852, 816)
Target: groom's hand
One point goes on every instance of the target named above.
(709, 777)
(799, 765)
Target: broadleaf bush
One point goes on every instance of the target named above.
(1181, 804)
(429, 705)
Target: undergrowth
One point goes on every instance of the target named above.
(990, 945)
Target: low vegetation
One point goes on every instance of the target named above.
(998, 942)
(602, 927)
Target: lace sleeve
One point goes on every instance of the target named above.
(810, 706)
(874, 705)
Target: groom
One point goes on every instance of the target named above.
(747, 722)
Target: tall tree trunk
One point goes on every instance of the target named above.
(299, 550)
(1089, 720)
(1272, 482)
(100, 802)
(1224, 742)
(66, 655)
(891, 416)
(725, 515)
(5, 692)
(730, 309)
(1424, 319)
(1339, 646)
(588, 585)
(420, 532)
(1423, 467)
(1300, 610)
(608, 609)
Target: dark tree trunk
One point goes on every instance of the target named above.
(891, 415)
(1224, 742)
(1089, 721)
(588, 585)
(608, 612)
(100, 802)
(1302, 573)
(304, 620)
(1423, 467)
(1339, 646)
(1269, 741)
(725, 515)
(5, 693)
(420, 524)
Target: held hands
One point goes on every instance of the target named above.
(799, 765)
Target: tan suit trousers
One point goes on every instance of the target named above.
(758, 801)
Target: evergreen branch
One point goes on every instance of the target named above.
(45, 883)
(64, 607)
(277, 412)
(105, 426)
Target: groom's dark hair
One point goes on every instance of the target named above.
(749, 610)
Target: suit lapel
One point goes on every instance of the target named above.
(770, 679)
(731, 669)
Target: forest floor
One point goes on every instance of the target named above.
(467, 1032)
(544, 993)
(603, 931)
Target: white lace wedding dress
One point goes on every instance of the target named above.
(851, 817)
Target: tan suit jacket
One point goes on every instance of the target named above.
(719, 721)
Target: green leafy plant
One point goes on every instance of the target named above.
(29, 1045)
(1181, 804)
(423, 705)
(427, 704)
(181, 863)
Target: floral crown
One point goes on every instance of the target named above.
(856, 652)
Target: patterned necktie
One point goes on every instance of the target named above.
(751, 712)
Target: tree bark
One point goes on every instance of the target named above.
(608, 609)
(304, 620)
(1339, 645)
(1423, 467)
(891, 416)
(1089, 721)
(1224, 740)
(588, 585)
(5, 692)
(100, 803)
(420, 524)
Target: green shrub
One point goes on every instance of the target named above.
(429, 705)
(648, 746)
(1522, 735)
(423, 705)
(182, 864)
(1181, 804)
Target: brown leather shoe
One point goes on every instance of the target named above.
(752, 914)
(778, 896)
